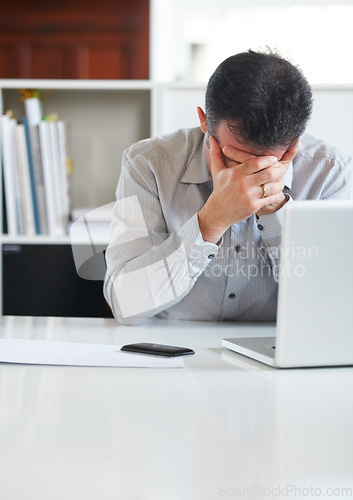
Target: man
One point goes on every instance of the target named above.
(198, 218)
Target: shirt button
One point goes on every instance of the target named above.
(237, 248)
(260, 227)
(231, 295)
(211, 256)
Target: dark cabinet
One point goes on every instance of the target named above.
(69, 39)
(41, 280)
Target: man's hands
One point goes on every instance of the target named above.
(238, 180)
(285, 161)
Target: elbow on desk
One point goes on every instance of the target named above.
(128, 321)
(112, 302)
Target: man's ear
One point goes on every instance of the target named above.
(203, 121)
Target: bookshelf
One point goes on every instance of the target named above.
(104, 118)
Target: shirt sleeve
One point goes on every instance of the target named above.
(338, 184)
(149, 270)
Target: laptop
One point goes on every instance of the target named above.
(315, 298)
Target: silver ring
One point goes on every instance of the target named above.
(264, 191)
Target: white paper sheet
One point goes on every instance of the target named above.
(39, 352)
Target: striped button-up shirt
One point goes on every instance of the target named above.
(157, 261)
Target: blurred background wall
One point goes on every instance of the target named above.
(189, 38)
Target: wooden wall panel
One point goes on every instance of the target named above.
(101, 60)
(7, 65)
(52, 59)
(74, 39)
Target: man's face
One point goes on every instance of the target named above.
(225, 137)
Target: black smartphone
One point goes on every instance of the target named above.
(158, 349)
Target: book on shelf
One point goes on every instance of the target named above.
(57, 141)
(31, 176)
(10, 176)
(38, 178)
(34, 157)
(24, 180)
(53, 148)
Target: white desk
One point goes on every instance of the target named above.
(221, 427)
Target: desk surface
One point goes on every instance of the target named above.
(221, 427)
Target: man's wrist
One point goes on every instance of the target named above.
(211, 231)
(272, 208)
(270, 224)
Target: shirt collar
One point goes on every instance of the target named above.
(288, 176)
(197, 171)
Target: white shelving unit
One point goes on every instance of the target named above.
(104, 118)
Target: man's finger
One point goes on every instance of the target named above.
(217, 163)
(258, 163)
(271, 174)
(234, 154)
